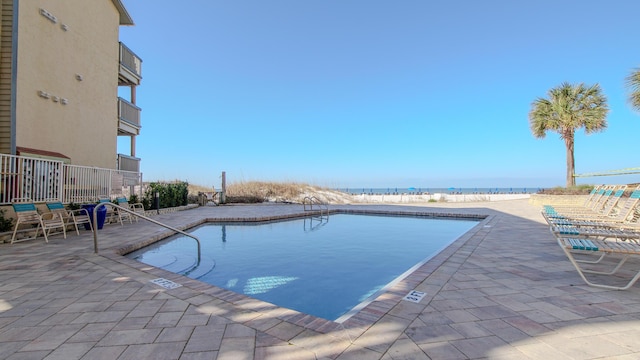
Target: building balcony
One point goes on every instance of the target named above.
(128, 163)
(128, 118)
(130, 73)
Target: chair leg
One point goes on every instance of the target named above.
(15, 231)
(603, 286)
(592, 261)
(615, 269)
(44, 231)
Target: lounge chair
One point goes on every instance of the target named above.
(594, 196)
(70, 217)
(27, 214)
(602, 206)
(623, 216)
(576, 201)
(622, 249)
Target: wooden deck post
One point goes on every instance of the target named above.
(223, 193)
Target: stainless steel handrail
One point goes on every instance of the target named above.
(95, 224)
(314, 200)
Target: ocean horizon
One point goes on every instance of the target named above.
(437, 190)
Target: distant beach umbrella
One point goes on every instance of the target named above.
(451, 189)
(412, 189)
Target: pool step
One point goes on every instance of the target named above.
(206, 265)
(182, 264)
(188, 265)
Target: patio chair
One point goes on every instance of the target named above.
(623, 249)
(70, 217)
(137, 208)
(27, 214)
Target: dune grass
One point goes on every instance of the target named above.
(260, 191)
(574, 190)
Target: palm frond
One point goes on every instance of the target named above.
(633, 84)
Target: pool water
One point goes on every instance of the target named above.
(320, 266)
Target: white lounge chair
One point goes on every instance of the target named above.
(621, 249)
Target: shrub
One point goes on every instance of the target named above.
(574, 190)
(171, 194)
(244, 199)
(6, 224)
(133, 199)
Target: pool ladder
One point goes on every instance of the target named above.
(127, 210)
(321, 215)
(309, 201)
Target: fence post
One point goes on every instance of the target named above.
(223, 194)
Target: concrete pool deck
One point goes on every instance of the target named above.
(504, 290)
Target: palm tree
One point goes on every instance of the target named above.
(633, 83)
(568, 108)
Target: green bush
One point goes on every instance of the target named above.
(575, 190)
(6, 224)
(133, 199)
(171, 194)
(244, 199)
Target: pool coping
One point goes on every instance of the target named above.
(244, 306)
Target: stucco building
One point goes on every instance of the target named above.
(61, 64)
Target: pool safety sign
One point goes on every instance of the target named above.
(167, 284)
(415, 296)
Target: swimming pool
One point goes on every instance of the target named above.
(320, 266)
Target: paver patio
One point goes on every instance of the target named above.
(504, 290)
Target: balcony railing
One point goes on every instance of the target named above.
(130, 67)
(40, 179)
(128, 163)
(129, 118)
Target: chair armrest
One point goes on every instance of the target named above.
(136, 206)
(51, 216)
(77, 212)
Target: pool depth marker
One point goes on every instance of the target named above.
(167, 284)
(414, 296)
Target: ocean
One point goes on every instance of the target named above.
(451, 190)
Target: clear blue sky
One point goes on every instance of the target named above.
(371, 93)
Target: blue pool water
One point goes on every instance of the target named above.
(320, 267)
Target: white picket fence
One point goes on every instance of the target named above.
(41, 180)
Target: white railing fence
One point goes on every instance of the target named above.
(41, 179)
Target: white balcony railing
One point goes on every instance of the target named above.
(40, 179)
(128, 163)
(129, 118)
(130, 67)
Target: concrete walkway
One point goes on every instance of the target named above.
(504, 290)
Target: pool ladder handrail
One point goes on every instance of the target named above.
(95, 224)
(312, 200)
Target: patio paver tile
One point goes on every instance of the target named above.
(484, 300)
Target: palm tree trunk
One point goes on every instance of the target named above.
(569, 143)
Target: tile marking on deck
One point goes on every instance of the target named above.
(167, 284)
